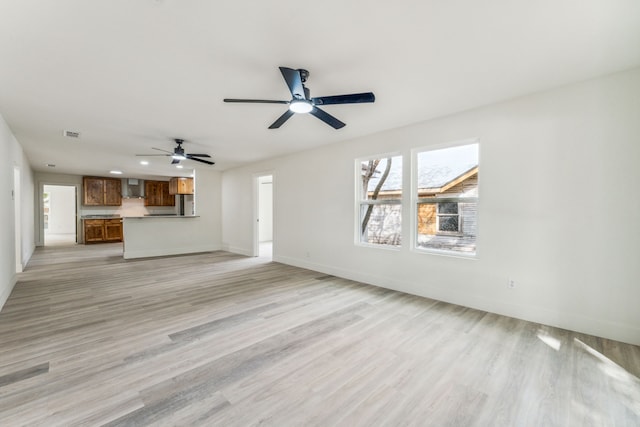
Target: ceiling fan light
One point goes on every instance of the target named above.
(178, 157)
(300, 106)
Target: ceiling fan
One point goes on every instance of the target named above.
(301, 101)
(178, 154)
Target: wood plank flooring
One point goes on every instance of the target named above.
(216, 339)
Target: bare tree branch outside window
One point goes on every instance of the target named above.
(369, 171)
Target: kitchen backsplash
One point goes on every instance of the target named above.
(136, 207)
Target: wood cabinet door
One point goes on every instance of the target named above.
(157, 194)
(181, 186)
(93, 191)
(113, 230)
(112, 192)
(173, 186)
(167, 199)
(152, 194)
(93, 230)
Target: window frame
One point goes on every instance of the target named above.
(415, 201)
(458, 231)
(361, 201)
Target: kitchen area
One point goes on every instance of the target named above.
(115, 210)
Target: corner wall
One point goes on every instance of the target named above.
(13, 156)
(558, 209)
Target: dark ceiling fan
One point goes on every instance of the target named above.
(301, 101)
(178, 154)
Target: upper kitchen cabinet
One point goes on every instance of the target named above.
(157, 194)
(181, 186)
(98, 191)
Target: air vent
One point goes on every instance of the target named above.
(71, 134)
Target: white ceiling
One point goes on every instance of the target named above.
(131, 75)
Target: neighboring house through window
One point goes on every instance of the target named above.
(447, 199)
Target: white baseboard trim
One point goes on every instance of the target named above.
(4, 295)
(237, 250)
(155, 252)
(564, 320)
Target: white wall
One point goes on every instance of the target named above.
(62, 209)
(13, 156)
(558, 213)
(265, 209)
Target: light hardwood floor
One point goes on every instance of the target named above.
(87, 338)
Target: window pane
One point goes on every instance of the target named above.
(448, 208)
(449, 223)
(381, 178)
(455, 233)
(448, 173)
(451, 172)
(381, 224)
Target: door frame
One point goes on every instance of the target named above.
(40, 205)
(17, 220)
(255, 250)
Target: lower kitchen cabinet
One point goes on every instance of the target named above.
(113, 230)
(102, 230)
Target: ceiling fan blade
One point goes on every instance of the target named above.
(355, 98)
(294, 82)
(160, 149)
(150, 155)
(327, 118)
(197, 155)
(175, 161)
(283, 118)
(199, 160)
(255, 101)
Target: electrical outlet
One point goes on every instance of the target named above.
(511, 284)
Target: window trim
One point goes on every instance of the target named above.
(414, 200)
(360, 201)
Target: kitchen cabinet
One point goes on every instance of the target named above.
(98, 191)
(157, 194)
(181, 185)
(113, 230)
(93, 230)
(102, 230)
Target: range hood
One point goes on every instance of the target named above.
(132, 188)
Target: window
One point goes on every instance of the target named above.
(448, 218)
(380, 201)
(447, 199)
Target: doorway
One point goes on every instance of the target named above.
(17, 217)
(263, 233)
(59, 214)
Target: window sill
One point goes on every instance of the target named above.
(443, 252)
(391, 248)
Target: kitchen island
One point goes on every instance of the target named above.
(162, 235)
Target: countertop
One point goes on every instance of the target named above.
(162, 216)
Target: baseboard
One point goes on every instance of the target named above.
(155, 252)
(4, 295)
(564, 320)
(236, 250)
(26, 260)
